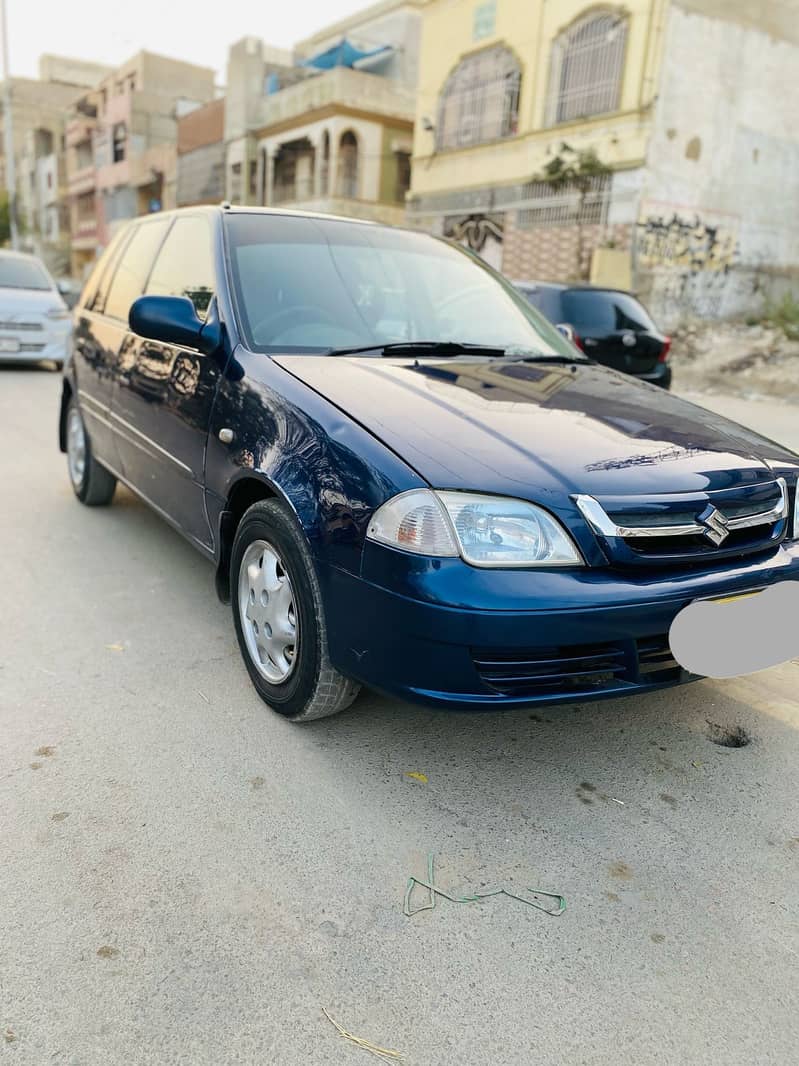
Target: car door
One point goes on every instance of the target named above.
(166, 391)
(94, 350)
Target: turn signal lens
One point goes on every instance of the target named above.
(416, 522)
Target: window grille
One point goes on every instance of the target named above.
(586, 68)
(480, 100)
(543, 205)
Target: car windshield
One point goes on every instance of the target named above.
(313, 285)
(604, 311)
(19, 273)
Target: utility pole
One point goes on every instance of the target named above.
(8, 134)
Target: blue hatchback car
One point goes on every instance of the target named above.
(404, 476)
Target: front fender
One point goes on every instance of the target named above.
(330, 471)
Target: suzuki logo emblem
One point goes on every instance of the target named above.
(717, 528)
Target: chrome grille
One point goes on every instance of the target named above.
(698, 525)
(21, 326)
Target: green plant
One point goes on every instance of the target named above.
(574, 168)
(784, 314)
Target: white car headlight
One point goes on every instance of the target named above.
(494, 531)
(795, 527)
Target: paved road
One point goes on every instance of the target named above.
(187, 879)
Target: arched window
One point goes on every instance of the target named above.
(586, 69)
(347, 183)
(480, 100)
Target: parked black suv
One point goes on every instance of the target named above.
(609, 325)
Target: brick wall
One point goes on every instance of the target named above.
(549, 253)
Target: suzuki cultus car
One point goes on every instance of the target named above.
(403, 475)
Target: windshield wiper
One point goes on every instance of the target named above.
(452, 348)
(420, 347)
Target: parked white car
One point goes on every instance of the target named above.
(35, 323)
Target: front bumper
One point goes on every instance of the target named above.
(440, 632)
(53, 348)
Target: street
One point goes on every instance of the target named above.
(188, 879)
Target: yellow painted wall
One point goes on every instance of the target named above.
(529, 27)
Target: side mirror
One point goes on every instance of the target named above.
(64, 287)
(567, 331)
(173, 320)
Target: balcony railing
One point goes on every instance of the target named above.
(354, 88)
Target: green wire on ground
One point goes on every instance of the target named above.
(433, 890)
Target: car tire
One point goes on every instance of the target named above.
(91, 483)
(279, 617)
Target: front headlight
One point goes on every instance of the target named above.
(795, 526)
(484, 530)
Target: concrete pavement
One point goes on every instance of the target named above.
(188, 879)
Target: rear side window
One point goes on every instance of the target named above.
(133, 268)
(185, 264)
(97, 283)
(602, 311)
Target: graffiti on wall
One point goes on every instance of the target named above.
(677, 241)
(685, 260)
(482, 233)
(474, 230)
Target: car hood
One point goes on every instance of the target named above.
(534, 429)
(37, 301)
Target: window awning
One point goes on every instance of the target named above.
(344, 54)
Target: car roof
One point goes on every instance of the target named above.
(226, 208)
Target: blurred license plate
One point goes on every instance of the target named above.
(9, 344)
(738, 634)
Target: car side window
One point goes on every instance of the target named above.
(185, 264)
(96, 287)
(133, 268)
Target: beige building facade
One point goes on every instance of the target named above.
(39, 107)
(678, 101)
(329, 126)
(121, 142)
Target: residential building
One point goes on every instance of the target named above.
(201, 155)
(329, 126)
(38, 109)
(691, 106)
(122, 146)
